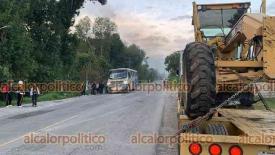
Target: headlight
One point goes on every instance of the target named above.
(108, 83)
(125, 82)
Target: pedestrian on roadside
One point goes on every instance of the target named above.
(5, 92)
(10, 85)
(34, 94)
(20, 93)
(101, 87)
(83, 91)
(97, 88)
(89, 87)
(93, 92)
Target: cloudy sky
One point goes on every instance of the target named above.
(157, 26)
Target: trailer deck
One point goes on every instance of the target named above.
(251, 130)
(252, 122)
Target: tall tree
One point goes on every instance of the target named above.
(49, 23)
(172, 63)
(117, 51)
(83, 28)
(134, 56)
(103, 28)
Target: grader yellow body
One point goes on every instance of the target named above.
(232, 47)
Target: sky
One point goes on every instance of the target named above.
(159, 27)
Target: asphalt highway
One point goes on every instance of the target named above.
(104, 125)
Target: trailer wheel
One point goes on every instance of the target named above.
(195, 130)
(216, 129)
(200, 77)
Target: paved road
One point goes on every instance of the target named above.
(117, 117)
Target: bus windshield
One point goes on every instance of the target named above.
(119, 74)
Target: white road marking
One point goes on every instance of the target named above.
(49, 126)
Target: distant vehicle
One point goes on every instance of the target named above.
(122, 80)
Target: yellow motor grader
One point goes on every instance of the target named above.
(232, 47)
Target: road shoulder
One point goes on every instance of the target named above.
(168, 127)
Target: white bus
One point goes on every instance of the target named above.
(122, 80)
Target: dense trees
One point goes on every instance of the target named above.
(102, 48)
(16, 58)
(37, 44)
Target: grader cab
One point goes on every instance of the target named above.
(232, 47)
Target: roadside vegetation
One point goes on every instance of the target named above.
(271, 102)
(43, 97)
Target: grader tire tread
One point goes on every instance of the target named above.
(200, 70)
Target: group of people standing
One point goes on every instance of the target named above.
(94, 88)
(9, 90)
(97, 88)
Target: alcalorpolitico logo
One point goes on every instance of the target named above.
(155, 138)
(80, 138)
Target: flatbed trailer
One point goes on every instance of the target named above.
(249, 132)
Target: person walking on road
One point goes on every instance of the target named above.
(20, 93)
(34, 94)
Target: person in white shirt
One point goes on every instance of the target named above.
(20, 93)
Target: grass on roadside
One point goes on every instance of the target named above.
(271, 102)
(43, 97)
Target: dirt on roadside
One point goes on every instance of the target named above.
(168, 127)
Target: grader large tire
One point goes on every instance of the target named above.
(200, 77)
